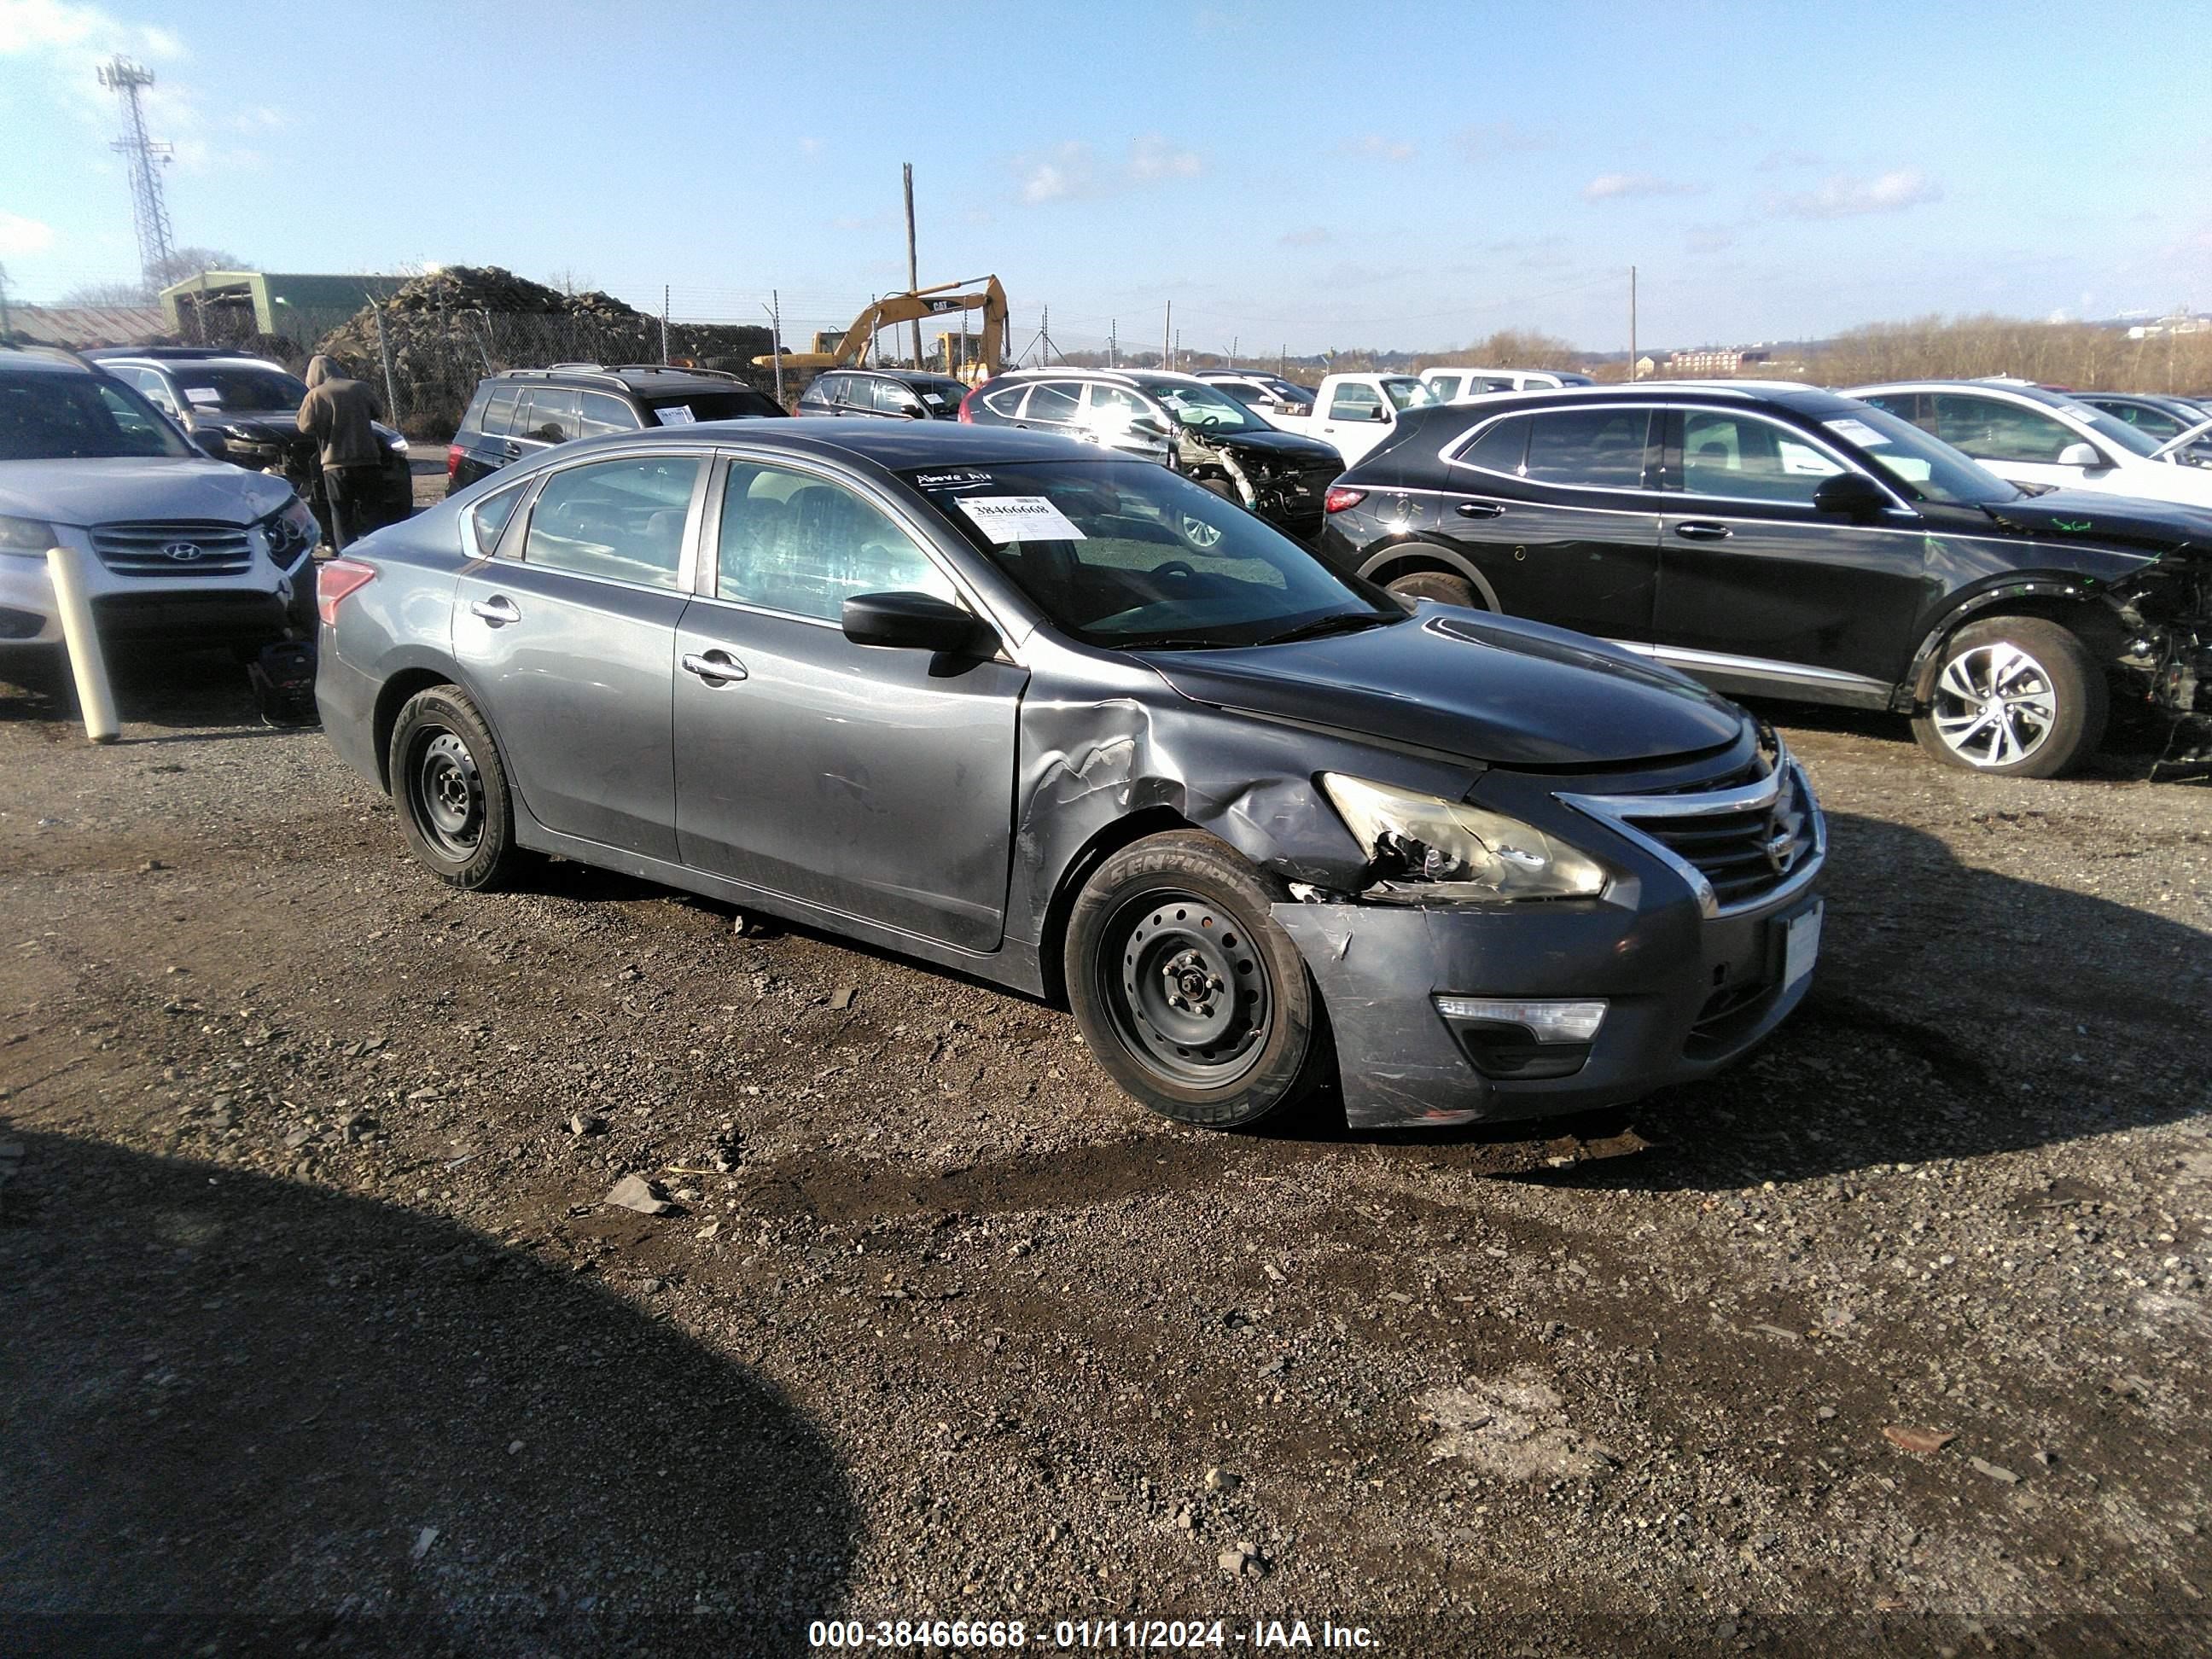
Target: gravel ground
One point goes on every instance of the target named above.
(318, 1326)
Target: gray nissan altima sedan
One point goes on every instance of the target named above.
(1070, 723)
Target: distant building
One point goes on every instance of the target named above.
(229, 304)
(85, 326)
(1717, 359)
(2176, 322)
(1646, 367)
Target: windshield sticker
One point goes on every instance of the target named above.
(1857, 431)
(968, 480)
(931, 398)
(675, 415)
(1007, 518)
(202, 394)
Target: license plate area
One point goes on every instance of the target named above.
(1800, 942)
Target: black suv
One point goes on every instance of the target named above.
(1783, 541)
(245, 410)
(1177, 420)
(904, 394)
(515, 415)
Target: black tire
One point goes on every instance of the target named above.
(1179, 918)
(450, 790)
(1440, 585)
(2049, 695)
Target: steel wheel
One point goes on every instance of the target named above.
(1995, 705)
(1200, 534)
(1196, 995)
(445, 793)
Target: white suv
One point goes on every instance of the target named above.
(1457, 385)
(2042, 439)
(174, 545)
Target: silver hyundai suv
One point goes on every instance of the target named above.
(175, 546)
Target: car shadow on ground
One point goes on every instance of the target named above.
(1956, 1012)
(166, 686)
(243, 1414)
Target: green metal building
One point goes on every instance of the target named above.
(229, 305)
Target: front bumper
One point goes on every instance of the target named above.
(249, 606)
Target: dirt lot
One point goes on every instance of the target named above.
(319, 1334)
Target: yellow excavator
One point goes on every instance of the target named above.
(982, 293)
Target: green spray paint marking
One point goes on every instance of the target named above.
(2077, 525)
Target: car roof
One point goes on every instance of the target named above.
(1789, 394)
(1996, 385)
(220, 359)
(42, 360)
(908, 375)
(889, 444)
(650, 379)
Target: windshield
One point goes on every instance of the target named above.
(737, 404)
(1206, 407)
(241, 391)
(1130, 554)
(2114, 430)
(52, 417)
(1928, 468)
(1406, 393)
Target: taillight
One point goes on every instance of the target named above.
(1339, 498)
(452, 459)
(334, 579)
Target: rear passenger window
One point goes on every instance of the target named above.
(604, 413)
(1053, 400)
(797, 543)
(1006, 401)
(548, 414)
(488, 518)
(500, 410)
(1501, 448)
(1589, 448)
(621, 519)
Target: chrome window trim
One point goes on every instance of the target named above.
(1466, 439)
(466, 519)
(1615, 810)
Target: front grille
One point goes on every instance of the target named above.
(1736, 840)
(1743, 854)
(181, 547)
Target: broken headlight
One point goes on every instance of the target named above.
(1427, 849)
(27, 536)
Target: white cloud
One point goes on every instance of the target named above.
(21, 238)
(1376, 147)
(1309, 236)
(1620, 186)
(1075, 171)
(1844, 198)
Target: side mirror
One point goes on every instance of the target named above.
(916, 621)
(1850, 495)
(914, 411)
(210, 444)
(2081, 454)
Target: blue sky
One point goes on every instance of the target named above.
(1319, 176)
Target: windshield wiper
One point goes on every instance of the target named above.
(1344, 621)
(1169, 642)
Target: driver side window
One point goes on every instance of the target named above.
(803, 545)
(1990, 429)
(1355, 402)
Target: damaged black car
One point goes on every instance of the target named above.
(1783, 541)
(981, 697)
(1188, 425)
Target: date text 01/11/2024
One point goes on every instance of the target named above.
(1074, 1634)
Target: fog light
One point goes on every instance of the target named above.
(1547, 1021)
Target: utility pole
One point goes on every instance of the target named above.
(1232, 350)
(1111, 327)
(1167, 336)
(1631, 322)
(3, 303)
(664, 324)
(141, 155)
(383, 352)
(774, 309)
(912, 270)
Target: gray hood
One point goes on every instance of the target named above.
(137, 488)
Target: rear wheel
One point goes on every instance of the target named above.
(454, 807)
(2017, 696)
(1186, 990)
(1438, 585)
(1203, 534)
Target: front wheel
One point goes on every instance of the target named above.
(454, 807)
(1186, 990)
(2017, 696)
(1439, 585)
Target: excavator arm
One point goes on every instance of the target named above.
(982, 293)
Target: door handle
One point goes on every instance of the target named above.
(498, 610)
(715, 665)
(512, 448)
(1702, 530)
(1480, 509)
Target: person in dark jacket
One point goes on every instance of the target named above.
(338, 413)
